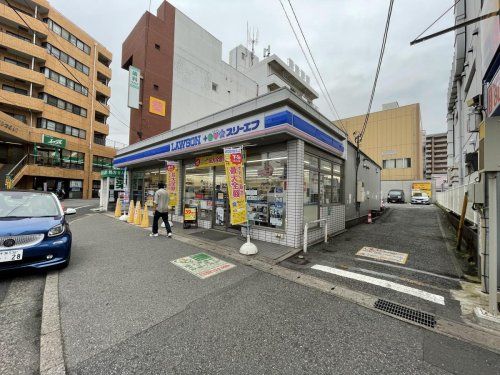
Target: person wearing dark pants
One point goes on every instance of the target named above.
(161, 200)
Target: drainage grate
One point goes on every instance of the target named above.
(416, 316)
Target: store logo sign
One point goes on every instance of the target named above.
(215, 135)
(53, 141)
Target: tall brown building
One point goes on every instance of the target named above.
(54, 92)
(150, 47)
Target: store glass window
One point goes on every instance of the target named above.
(151, 180)
(266, 175)
(325, 182)
(198, 191)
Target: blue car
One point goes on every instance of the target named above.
(34, 233)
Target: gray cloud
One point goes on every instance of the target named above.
(344, 35)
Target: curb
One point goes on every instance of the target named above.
(51, 346)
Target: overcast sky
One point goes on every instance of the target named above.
(344, 36)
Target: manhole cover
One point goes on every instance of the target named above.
(213, 235)
(299, 261)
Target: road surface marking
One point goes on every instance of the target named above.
(409, 269)
(88, 205)
(383, 283)
(202, 265)
(380, 254)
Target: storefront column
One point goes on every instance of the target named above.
(295, 193)
(180, 191)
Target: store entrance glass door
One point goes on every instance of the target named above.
(221, 212)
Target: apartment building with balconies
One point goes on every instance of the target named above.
(436, 158)
(54, 93)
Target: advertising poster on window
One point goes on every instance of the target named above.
(233, 160)
(173, 182)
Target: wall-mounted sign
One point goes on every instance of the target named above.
(493, 96)
(157, 106)
(265, 124)
(134, 87)
(112, 173)
(209, 161)
(53, 141)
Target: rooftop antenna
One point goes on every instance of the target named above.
(253, 40)
(150, 6)
(267, 51)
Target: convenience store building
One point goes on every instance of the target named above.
(294, 167)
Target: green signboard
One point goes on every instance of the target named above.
(112, 173)
(53, 141)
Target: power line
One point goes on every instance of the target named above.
(62, 64)
(317, 69)
(305, 56)
(359, 137)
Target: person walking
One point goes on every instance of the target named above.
(160, 205)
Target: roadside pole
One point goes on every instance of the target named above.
(493, 180)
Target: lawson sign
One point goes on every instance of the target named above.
(281, 121)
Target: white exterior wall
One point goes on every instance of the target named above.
(197, 64)
(465, 83)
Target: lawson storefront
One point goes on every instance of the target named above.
(293, 164)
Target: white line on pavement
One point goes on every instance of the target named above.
(409, 269)
(383, 283)
(88, 205)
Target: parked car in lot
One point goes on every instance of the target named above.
(396, 196)
(420, 198)
(34, 233)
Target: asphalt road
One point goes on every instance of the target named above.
(20, 312)
(419, 231)
(126, 309)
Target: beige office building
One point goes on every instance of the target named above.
(54, 92)
(393, 139)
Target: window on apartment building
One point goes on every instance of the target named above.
(396, 163)
(65, 34)
(15, 90)
(18, 117)
(156, 87)
(100, 162)
(214, 86)
(15, 62)
(62, 104)
(64, 57)
(72, 159)
(157, 46)
(21, 37)
(43, 123)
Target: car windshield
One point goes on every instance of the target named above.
(394, 193)
(417, 195)
(26, 204)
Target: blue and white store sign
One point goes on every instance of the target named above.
(276, 121)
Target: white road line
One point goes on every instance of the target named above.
(409, 269)
(383, 283)
(89, 205)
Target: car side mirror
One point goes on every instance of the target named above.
(70, 211)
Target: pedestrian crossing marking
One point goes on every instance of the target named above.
(380, 254)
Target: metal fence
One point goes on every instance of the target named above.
(452, 199)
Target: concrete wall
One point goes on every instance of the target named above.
(197, 66)
(370, 177)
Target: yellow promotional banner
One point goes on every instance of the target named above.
(173, 183)
(424, 187)
(209, 161)
(233, 161)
